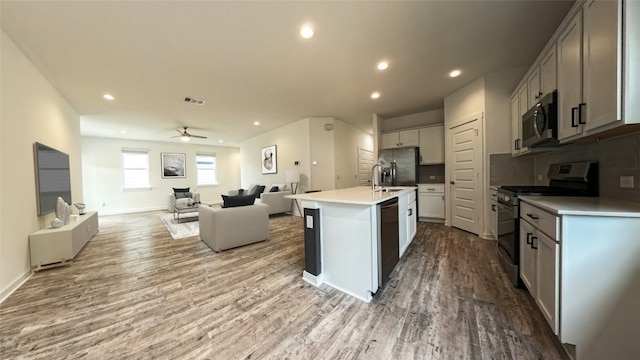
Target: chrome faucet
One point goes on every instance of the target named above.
(373, 176)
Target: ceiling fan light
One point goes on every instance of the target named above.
(184, 138)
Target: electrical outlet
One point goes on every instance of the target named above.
(103, 204)
(338, 177)
(626, 182)
(539, 177)
(432, 177)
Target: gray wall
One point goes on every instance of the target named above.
(616, 157)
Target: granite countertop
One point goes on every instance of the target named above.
(361, 195)
(584, 206)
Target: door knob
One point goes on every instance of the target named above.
(452, 182)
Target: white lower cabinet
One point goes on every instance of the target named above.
(431, 202)
(407, 217)
(539, 258)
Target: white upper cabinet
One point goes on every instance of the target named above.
(535, 90)
(432, 145)
(402, 138)
(569, 78)
(602, 44)
(598, 70)
(516, 122)
(549, 72)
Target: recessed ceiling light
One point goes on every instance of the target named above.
(306, 32)
(375, 95)
(108, 96)
(256, 123)
(455, 73)
(123, 131)
(382, 65)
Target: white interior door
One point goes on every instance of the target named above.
(465, 176)
(365, 163)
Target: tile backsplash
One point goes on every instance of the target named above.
(507, 170)
(615, 157)
(431, 174)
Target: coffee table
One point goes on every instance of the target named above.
(181, 210)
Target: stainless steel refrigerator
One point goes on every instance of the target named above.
(399, 166)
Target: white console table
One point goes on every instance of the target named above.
(52, 247)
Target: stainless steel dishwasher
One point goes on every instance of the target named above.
(388, 245)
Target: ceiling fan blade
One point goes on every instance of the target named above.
(198, 136)
(177, 136)
(180, 132)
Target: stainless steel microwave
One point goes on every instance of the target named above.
(540, 123)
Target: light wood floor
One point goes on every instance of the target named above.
(135, 293)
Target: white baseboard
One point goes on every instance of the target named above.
(312, 279)
(14, 286)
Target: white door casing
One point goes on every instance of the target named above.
(465, 182)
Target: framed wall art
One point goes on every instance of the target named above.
(268, 161)
(173, 166)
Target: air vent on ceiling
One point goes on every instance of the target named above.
(193, 100)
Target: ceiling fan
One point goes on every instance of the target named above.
(185, 136)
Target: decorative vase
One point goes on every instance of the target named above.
(67, 214)
(56, 223)
(60, 208)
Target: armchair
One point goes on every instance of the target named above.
(195, 197)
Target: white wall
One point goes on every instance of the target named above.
(421, 119)
(102, 173)
(31, 111)
(347, 139)
(322, 153)
(292, 142)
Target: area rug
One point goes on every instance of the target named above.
(181, 230)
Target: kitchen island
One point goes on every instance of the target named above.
(343, 234)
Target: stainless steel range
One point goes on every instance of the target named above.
(567, 179)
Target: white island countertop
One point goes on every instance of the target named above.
(584, 206)
(361, 195)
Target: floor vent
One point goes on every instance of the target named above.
(193, 100)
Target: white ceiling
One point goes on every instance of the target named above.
(248, 62)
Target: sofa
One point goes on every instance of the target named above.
(226, 228)
(275, 200)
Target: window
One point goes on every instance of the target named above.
(135, 169)
(207, 169)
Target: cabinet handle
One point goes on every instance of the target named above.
(529, 241)
(452, 182)
(518, 144)
(410, 212)
(573, 117)
(532, 216)
(431, 189)
(534, 239)
(493, 207)
(582, 110)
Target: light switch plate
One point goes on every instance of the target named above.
(626, 182)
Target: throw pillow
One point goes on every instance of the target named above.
(274, 189)
(259, 190)
(252, 189)
(177, 190)
(234, 201)
(182, 195)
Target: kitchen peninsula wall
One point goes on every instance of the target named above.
(616, 157)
